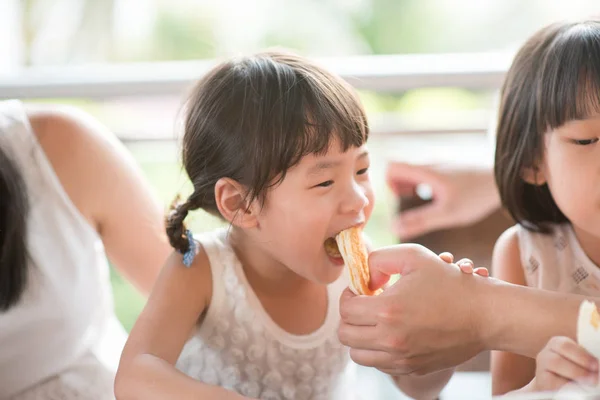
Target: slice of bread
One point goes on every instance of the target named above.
(354, 253)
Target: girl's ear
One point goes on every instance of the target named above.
(230, 197)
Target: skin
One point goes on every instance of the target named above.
(103, 182)
(318, 198)
(456, 315)
(571, 168)
(450, 207)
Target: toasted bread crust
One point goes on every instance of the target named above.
(355, 256)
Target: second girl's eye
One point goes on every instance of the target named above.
(325, 184)
(362, 171)
(584, 142)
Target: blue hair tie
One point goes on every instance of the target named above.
(189, 255)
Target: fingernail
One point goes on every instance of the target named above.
(466, 264)
(466, 269)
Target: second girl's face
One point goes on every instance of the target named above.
(571, 168)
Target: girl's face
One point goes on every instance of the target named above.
(319, 197)
(571, 168)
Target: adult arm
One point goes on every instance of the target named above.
(436, 317)
(105, 184)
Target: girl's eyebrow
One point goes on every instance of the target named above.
(363, 154)
(324, 165)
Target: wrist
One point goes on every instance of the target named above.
(486, 309)
(511, 317)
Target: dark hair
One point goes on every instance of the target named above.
(13, 233)
(554, 79)
(251, 119)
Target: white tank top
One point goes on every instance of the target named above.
(62, 340)
(239, 347)
(557, 262)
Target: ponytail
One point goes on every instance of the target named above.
(176, 229)
(14, 207)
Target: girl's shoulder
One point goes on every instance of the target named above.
(204, 261)
(506, 258)
(195, 276)
(548, 240)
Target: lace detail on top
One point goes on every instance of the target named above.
(239, 347)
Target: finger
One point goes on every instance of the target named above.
(378, 280)
(399, 259)
(417, 366)
(569, 370)
(419, 220)
(379, 360)
(403, 173)
(359, 337)
(465, 261)
(447, 256)
(400, 189)
(357, 310)
(554, 381)
(576, 354)
(466, 265)
(482, 271)
(466, 269)
(403, 178)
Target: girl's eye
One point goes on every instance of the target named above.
(362, 171)
(584, 142)
(325, 184)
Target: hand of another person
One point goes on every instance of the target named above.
(461, 195)
(563, 361)
(425, 322)
(465, 265)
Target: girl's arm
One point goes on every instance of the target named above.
(147, 368)
(509, 371)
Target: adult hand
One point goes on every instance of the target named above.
(465, 265)
(461, 195)
(426, 321)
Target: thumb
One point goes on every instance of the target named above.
(398, 259)
(418, 220)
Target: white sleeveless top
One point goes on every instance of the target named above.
(239, 347)
(62, 340)
(557, 262)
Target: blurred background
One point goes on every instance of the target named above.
(427, 71)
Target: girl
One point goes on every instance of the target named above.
(548, 173)
(69, 196)
(276, 147)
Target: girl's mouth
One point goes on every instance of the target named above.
(331, 248)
